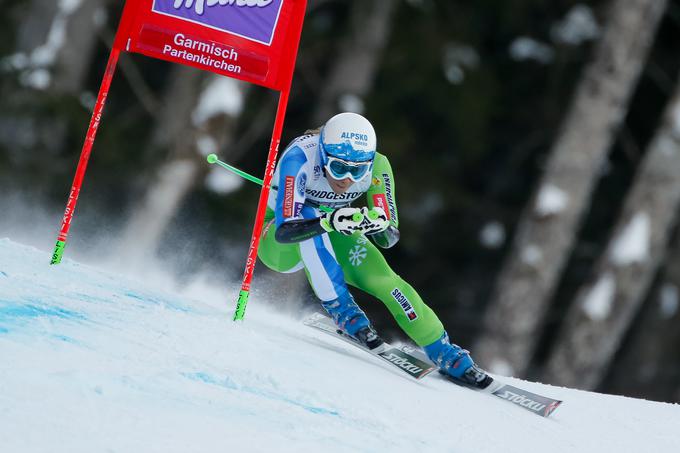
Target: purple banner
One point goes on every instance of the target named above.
(252, 19)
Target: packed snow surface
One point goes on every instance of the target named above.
(98, 362)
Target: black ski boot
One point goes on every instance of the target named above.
(472, 377)
(368, 337)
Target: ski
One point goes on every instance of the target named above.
(416, 364)
(538, 404)
(402, 360)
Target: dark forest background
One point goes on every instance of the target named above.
(480, 106)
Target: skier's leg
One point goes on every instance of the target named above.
(276, 256)
(325, 275)
(366, 269)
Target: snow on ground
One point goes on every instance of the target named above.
(97, 362)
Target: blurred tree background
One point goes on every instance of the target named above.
(469, 100)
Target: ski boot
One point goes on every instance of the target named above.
(368, 337)
(456, 364)
(351, 320)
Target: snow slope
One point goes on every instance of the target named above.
(96, 362)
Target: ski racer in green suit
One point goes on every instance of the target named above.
(333, 167)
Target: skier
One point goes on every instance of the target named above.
(333, 167)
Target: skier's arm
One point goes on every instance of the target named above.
(290, 199)
(346, 221)
(381, 194)
(293, 224)
(298, 230)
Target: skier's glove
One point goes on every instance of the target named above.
(375, 220)
(343, 220)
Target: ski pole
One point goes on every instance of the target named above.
(213, 159)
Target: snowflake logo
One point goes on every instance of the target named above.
(357, 255)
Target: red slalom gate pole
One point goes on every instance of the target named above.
(95, 121)
(262, 206)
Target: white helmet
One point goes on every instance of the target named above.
(348, 136)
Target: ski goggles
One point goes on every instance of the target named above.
(341, 169)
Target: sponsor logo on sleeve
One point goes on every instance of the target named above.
(302, 184)
(380, 201)
(288, 196)
(298, 209)
(405, 304)
(390, 198)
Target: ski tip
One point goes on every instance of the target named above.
(550, 408)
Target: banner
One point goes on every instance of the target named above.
(251, 40)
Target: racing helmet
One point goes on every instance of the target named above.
(348, 145)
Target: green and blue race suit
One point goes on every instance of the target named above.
(332, 260)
